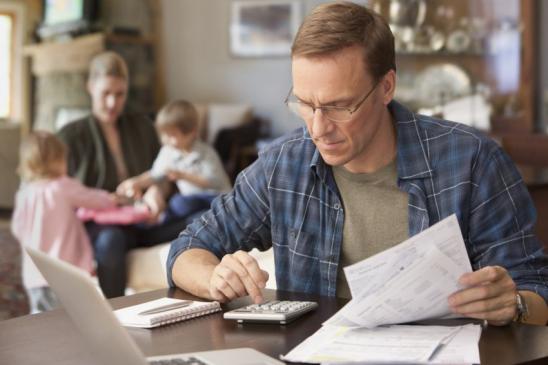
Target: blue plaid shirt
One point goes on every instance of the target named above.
(288, 199)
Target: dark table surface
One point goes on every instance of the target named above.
(51, 338)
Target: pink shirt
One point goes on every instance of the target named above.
(45, 218)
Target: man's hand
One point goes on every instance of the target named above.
(237, 275)
(490, 294)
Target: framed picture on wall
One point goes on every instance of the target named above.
(260, 28)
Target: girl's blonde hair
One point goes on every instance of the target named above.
(39, 153)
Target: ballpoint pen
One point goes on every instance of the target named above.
(165, 308)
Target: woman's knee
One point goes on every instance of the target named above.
(111, 245)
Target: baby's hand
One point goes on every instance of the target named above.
(174, 175)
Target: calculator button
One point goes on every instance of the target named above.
(271, 311)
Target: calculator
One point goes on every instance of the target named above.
(274, 311)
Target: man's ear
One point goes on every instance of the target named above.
(388, 86)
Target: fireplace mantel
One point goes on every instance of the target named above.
(69, 56)
(74, 55)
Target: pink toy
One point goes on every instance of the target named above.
(125, 215)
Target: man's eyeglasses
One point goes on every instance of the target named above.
(333, 113)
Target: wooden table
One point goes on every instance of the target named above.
(51, 338)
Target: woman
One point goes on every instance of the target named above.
(106, 149)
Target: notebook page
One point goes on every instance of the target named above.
(130, 316)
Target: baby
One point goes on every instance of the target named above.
(192, 165)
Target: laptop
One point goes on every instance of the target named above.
(106, 338)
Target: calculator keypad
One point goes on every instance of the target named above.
(275, 311)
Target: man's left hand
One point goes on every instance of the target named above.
(489, 294)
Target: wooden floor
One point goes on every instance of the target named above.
(13, 300)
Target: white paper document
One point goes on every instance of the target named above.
(390, 344)
(461, 349)
(408, 282)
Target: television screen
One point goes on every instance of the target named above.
(62, 17)
(62, 11)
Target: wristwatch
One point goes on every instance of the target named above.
(522, 311)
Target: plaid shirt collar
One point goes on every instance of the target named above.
(413, 164)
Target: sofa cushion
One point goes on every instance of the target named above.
(147, 268)
(223, 116)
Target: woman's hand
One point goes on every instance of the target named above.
(120, 199)
(154, 200)
(130, 188)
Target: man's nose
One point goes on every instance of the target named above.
(320, 124)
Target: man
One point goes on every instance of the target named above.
(106, 149)
(365, 174)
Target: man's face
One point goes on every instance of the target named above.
(341, 80)
(108, 97)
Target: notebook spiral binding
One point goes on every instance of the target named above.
(184, 314)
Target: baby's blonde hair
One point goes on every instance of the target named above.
(179, 114)
(38, 154)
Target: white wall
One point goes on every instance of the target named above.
(200, 68)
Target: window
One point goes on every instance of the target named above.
(6, 59)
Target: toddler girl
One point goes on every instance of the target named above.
(44, 215)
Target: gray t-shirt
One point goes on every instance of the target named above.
(375, 216)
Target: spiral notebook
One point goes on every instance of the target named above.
(157, 313)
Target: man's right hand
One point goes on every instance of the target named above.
(237, 275)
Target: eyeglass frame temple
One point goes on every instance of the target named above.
(348, 109)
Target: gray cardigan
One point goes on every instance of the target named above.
(89, 158)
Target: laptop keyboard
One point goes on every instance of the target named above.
(189, 361)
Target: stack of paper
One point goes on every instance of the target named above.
(409, 282)
(392, 344)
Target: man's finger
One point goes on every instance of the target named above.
(220, 288)
(230, 278)
(216, 294)
(474, 294)
(495, 303)
(504, 286)
(499, 317)
(260, 277)
(244, 265)
(484, 275)
(256, 278)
